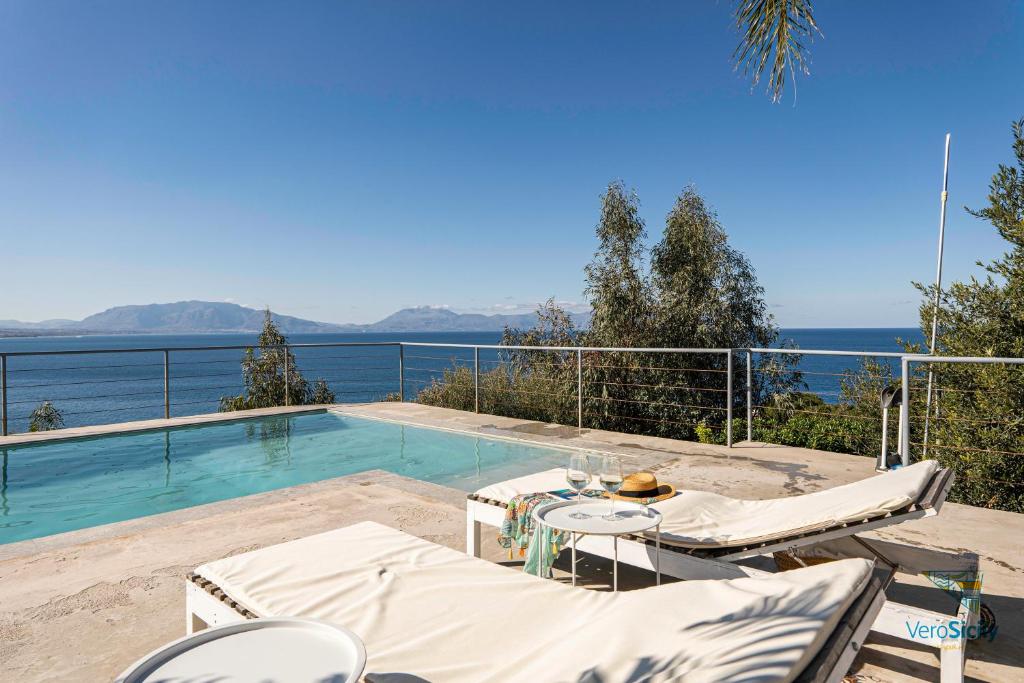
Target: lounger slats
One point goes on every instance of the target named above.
(215, 591)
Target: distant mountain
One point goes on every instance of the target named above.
(430, 319)
(55, 323)
(196, 317)
(193, 317)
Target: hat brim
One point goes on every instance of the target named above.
(664, 492)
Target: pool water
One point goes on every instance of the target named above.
(66, 485)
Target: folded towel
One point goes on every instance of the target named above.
(517, 534)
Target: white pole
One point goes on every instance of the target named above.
(938, 289)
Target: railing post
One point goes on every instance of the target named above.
(476, 379)
(750, 396)
(905, 411)
(401, 372)
(3, 393)
(579, 388)
(728, 398)
(167, 385)
(287, 398)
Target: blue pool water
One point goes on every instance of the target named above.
(61, 486)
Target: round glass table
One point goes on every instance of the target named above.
(631, 519)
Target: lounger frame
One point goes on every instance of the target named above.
(207, 605)
(721, 562)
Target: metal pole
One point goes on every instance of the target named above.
(401, 372)
(476, 378)
(938, 289)
(750, 397)
(3, 392)
(905, 411)
(728, 399)
(167, 385)
(579, 388)
(287, 400)
(883, 456)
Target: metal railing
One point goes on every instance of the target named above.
(589, 367)
(160, 386)
(907, 362)
(579, 353)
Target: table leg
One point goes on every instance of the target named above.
(574, 558)
(538, 538)
(657, 554)
(615, 564)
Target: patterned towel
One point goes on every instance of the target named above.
(517, 533)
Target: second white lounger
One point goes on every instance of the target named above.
(704, 534)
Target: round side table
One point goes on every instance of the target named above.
(272, 649)
(632, 518)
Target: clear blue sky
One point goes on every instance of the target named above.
(340, 160)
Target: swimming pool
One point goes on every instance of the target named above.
(61, 486)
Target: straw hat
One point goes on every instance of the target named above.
(643, 487)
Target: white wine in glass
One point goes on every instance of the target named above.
(610, 476)
(577, 473)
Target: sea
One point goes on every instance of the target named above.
(128, 385)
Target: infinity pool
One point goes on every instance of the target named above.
(65, 485)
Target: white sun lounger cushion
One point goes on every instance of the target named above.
(701, 519)
(426, 612)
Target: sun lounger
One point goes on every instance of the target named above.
(429, 613)
(704, 534)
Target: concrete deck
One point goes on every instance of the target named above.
(86, 604)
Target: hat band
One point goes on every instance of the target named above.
(647, 493)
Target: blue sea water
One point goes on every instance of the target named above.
(97, 389)
(78, 483)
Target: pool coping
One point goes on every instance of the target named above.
(478, 432)
(196, 513)
(137, 426)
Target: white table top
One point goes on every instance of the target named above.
(633, 517)
(256, 651)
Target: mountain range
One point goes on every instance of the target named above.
(196, 317)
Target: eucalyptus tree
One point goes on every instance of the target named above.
(616, 284)
(271, 374)
(706, 291)
(707, 295)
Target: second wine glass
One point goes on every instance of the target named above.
(578, 475)
(610, 476)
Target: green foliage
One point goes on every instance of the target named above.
(979, 431)
(618, 290)
(264, 376)
(320, 393)
(705, 434)
(698, 292)
(45, 417)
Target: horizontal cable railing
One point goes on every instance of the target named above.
(690, 391)
(111, 385)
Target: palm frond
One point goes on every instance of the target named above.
(774, 34)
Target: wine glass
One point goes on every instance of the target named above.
(577, 473)
(610, 476)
